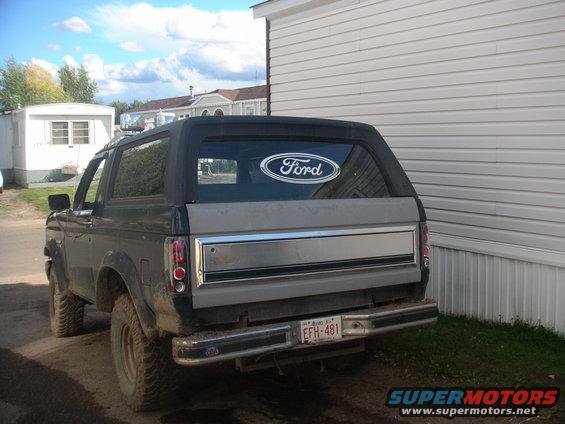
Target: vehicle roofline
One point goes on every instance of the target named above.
(241, 119)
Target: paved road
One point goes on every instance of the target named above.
(21, 250)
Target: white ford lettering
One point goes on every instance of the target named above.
(300, 168)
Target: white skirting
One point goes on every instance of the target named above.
(496, 288)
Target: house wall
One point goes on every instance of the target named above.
(6, 160)
(470, 95)
(18, 145)
(211, 104)
(43, 159)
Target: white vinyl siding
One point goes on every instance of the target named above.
(470, 95)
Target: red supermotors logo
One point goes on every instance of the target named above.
(511, 397)
(460, 402)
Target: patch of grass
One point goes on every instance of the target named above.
(468, 352)
(38, 196)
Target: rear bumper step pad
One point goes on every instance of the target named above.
(209, 347)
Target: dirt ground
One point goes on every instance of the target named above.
(49, 380)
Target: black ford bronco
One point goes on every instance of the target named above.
(258, 240)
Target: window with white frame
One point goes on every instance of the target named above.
(80, 132)
(250, 111)
(70, 132)
(60, 132)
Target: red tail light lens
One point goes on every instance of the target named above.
(179, 273)
(425, 233)
(176, 263)
(424, 243)
(179, 252)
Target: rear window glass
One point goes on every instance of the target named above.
(141, 171)
(255, 170)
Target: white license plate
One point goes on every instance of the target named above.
(320, 329)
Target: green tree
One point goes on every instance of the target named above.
(77, 84)
(120, 107)
(28, 84)
(136, 103)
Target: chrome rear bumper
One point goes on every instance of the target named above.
(208, 347)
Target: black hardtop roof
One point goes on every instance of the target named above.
(286, 121)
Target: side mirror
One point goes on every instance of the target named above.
(59, 202)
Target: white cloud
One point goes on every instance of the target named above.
(110, 88)
(53, 47)
(73, 24)
(94, 66)
(227, 45)
(69, 60)
(191, 47)
(131, 46)
(49, 67)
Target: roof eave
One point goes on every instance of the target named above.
(278, 8)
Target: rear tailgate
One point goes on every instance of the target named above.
(261, 251)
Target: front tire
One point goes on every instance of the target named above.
(145, 369)
(66, 311)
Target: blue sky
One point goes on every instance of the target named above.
(139, 50)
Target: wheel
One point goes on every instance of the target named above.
(147, 374)
(66, 311)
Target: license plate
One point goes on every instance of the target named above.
(320, 329)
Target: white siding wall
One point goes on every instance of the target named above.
(498, 289)
(6, 161)
(41, 154)
(470, 94)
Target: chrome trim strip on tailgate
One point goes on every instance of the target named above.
(224, 259)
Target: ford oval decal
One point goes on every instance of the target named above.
(300, 168)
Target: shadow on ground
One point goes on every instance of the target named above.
(72, 379)
(44, 395)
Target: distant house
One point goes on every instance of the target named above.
(52, 142)
(238, 101)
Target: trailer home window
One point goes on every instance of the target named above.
(264, 170)
(80, 132)
(70, 132)
(60, 132)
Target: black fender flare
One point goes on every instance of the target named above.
(125, 267)
(56, 262)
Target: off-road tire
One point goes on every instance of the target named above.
(145, 368)
(66, 311)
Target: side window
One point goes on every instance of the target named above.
(141, 170)
(90, 182)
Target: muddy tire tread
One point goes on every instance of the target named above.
(68, 312)
(157, 381)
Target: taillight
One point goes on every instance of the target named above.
(179, 251)
(425, 245)
(176, 262)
